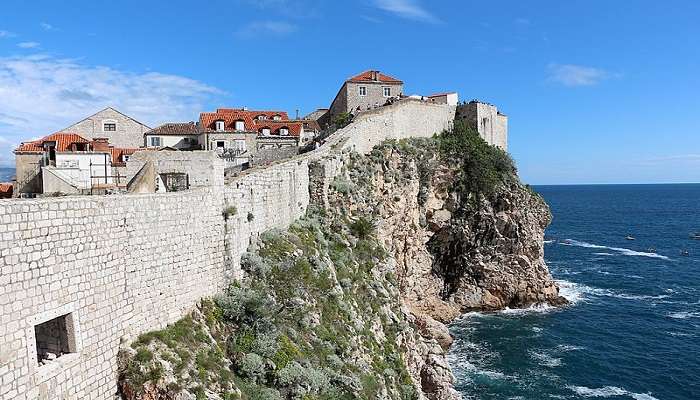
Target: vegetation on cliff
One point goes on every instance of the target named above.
(342, 305)
(317, 317)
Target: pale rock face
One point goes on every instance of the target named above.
(452, 255)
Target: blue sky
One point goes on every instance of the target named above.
(596, 91)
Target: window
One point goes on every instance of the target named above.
(363, 90)
(220, 144)
(261, 117)
(54, 338)
(154, 141)
(276, 118)
(239, 126)
(265, 131)
(239, 145)
(109, 127)
(220, 126)
(387, 92)
(125, 158)
(284, 131)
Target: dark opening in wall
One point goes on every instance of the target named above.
(54, 338)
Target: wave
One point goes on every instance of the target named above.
(609, 391)
(576, 292)
(621, 250)
(544, 359)
(604, 254)
(548, 241)
(535, 308)
(683, 315)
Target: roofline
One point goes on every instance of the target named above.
(441, 94)
(105, 109)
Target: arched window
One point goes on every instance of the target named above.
(261, 117)
(276, 117)
(284, 131)
(239, 125)
(220, 125)
(265, 131)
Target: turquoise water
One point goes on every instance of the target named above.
(632, 330)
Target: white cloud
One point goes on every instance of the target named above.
(47, 27)
(576, 75)
(40, 95)
(279, 28)
(6, 34)
(409, 9)
(28, 45)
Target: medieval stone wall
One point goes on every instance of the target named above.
(117, 266)
(203, 168)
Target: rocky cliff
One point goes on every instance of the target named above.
(351, 301)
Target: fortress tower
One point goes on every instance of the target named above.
(487, 120)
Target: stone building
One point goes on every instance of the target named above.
(68, 163)
(241, 135)
(120, 129)
(176, 135)
(449, 98)
(485, 118)
(365, 91)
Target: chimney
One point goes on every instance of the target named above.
(375, 75)
(100, 144)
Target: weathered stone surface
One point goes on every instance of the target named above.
(124, 265)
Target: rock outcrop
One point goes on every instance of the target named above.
(353, 300)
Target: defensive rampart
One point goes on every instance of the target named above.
(86, 274)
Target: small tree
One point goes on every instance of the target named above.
(342, 120)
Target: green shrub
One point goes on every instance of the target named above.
(252, 366)
(342, 120)
(253, 264)
(482, 166)
(229, 211)
(362, 228)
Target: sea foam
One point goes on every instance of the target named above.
(621, 250)
(609, 391)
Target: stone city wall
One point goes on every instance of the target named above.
(203, 168)
(117, 266)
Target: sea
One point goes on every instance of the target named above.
(632, 329)
(6, 174)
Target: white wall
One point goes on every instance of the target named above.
(175, 141)
(76, 166)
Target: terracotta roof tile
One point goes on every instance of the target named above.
(275, 126)
(118, 153)
(207, 120)
(373, 76)
(63, 140)
(175, 128)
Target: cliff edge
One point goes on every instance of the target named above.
(351, 301)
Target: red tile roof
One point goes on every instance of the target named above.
(373, 76)
(118, 153)
(63, 140)
(255, 113)
(5, 190)
(207, 120)
(175, 128)
(275, 126)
